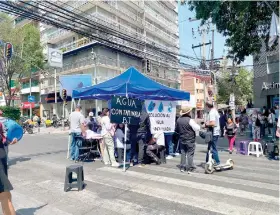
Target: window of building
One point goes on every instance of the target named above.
(272, 63)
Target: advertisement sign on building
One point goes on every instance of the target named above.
(55, 58)
(71, 82)
(162, 115)
(125, 110)
(27, 105)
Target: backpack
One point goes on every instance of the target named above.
(258, 122)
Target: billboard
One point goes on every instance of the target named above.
(72, 82)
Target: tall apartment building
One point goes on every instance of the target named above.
(266, 78)
(155, 22)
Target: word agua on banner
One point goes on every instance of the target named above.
(162, 115)
(125, 110)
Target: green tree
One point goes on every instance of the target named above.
(241, 85)
(27, 54)
(245, 24)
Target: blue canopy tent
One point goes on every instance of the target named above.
(132, 84)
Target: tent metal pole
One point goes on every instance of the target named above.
(124, 153)
(69, 137)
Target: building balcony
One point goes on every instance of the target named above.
(57, 35)
(34, 89)
(171, 4)
(111, 23)
(76, 44)
(136, 5)
(111, 6)
(151, 14)
(168, 13)
(159, 33)
(88, 62)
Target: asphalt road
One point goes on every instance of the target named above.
(37, 171)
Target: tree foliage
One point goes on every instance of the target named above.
(245, 24)
(241, 85)
(27, 54)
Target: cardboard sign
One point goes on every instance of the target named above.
(125, 110)
(162, 115)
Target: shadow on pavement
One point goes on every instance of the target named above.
(29, 211)
(13, 161)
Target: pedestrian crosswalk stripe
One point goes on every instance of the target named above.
(221, 207)
(27, 205)
(218, 178)
(113, 203)
(195, 185)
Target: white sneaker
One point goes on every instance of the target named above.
(169, 157)
(115, 164)
(177, 154)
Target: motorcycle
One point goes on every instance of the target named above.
(27, 128)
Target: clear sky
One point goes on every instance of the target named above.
(187, 39)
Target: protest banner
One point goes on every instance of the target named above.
(125, 110)
(162, 115)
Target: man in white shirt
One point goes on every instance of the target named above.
(77, 121)
(213, 125)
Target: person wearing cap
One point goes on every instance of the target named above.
(186, 128)
(213, 125)
(77, 121)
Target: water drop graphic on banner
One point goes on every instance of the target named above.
(160, 108)
(151, 106)
(170, 107)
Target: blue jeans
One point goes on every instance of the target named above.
(169, 144)
(75, 144)
(213, 144)
(251, 130)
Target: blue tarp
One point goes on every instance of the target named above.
(133, 84)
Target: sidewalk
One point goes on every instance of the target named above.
(51, 130)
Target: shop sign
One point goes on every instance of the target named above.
(27, 105)
(125, 110)
(268, 86)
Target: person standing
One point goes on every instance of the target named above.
(213, 126)
(108, 132)
(223, 122)
(77, 121)
(230, 131)
(256, 126)
(271, 123)
(186, 128)
(143, 135)
(5, 184)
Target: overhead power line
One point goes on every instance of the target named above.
(10, 7)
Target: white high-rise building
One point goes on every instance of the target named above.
(153, 22)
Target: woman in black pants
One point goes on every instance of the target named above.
(5, 185)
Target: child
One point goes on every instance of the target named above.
(119, 141)
(230, 131)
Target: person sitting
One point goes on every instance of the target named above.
(155, 145)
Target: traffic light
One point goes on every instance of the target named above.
(64, 94)
(148, 66)
(8, 50)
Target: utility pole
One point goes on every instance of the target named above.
(94, 57)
